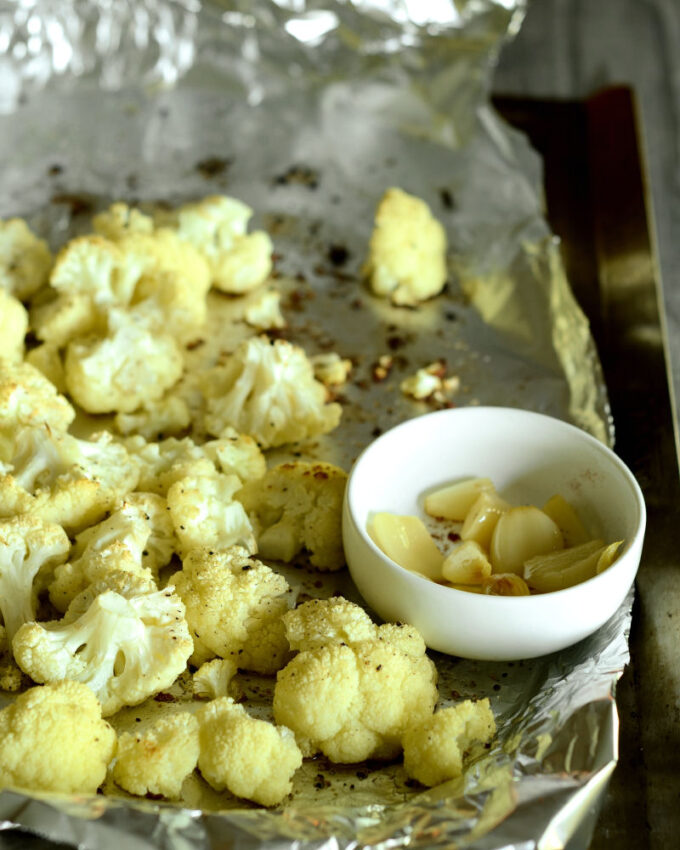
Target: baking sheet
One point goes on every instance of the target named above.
(312, 151)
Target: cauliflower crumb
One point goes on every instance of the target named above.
(213, 678)
(430, 382)
(331, 369)
(435, 748)
(53, 738)
(353, 699)
(298, 506)
(234, 606)
(267, 389)
(407, 251)
(159, 759)
(250, 758)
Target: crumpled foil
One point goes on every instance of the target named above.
(308, 110)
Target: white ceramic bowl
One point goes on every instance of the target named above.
(529, 457)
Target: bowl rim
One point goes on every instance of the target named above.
(532, 600)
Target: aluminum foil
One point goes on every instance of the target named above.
(308, 111)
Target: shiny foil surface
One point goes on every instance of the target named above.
(308, 111)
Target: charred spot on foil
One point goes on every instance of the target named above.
(212, 166)
(447, 199)
(164, 697)
(301, 175)
(338, 255)
(55, 170)
(80, 204)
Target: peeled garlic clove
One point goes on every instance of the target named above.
(505, 584)
(568, 521)
(522, 533)
(406, 541)
(454, 501)
(608, 556)
(564, 568)
(482, 517)
(466, 564)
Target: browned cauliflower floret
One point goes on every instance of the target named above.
(120, 220)
(298, 506)
(159, 759)
(25, 260)
(62, 479)
(354, 697)
(234, 606)
(251, 758)
(216, 226)
(407, 253)
(27, 397)
(267, 389)
(434, 749)
(53, 738)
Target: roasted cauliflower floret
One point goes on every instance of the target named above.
(354, 699)
(124, 649)
(213, 678)
(27, 546)
(216, 226)
(435, 748)
(137, 537)
(204, 513)
(25, 259)
(298, 506)
(27, 397)
(155, 419)
(62, 479)
(262, 310)
(121, 371)
(163, 463)
(120, 220)
(12, 677)
(234, 606)
(267, 389)
(407, 251)
(159, 759)
(251, 758)
(53, 738)
(236, 454)
(13, 327)
(46, 358)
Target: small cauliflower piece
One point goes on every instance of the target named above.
(25, 259)
(407, 250)
(163, 463)
(13, 327)
(124, 649)
(165, 416)
(62, 479)
(53, 738)
(234, 606)
(27, 397)
(118, 543)
(119, 220)
(267, 389)
(319, 622)
(250, 758)
(204, 513)
(56, 318)
(46, 358)
(159, 759)
(27, 546)
(12, 677)
(216, 226)
(298, 506)
(353, 698)
(263, 310)
(434, 749)
(212, 679)
(236, 454)
(331, 369)
(123, 370)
